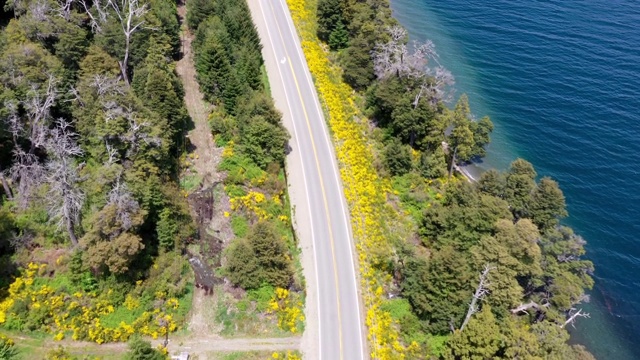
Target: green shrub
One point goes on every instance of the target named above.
(141, 350)
(262, 296)
(261, 258)
(397, 158)
(239, 225)
(7, 348)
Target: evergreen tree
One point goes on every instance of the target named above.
(259, 259)
(481, 339)
(433, 166)
(446, 291)
(141, 350)
(264, 142)
(213, 67)
(520, 183)
(339, 38)
(481, 130)
(397, 158)
(167, 229)
(357, 64)
(547, 204)
(492, 183)
(242, 267)
(198, 11)
(329, 15)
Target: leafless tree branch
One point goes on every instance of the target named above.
(65, 198)
(130, 13)
(573, 316)
(27, 172)
(524, 307)
(481, 291)
(126, 205)
(38, 107)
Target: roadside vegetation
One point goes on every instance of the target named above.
(450, 269)
(263, 257)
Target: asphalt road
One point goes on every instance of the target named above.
(340, 332)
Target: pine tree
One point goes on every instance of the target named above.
(397, 158)
(547, 204)
(357, 64)
(433, 166)
(520, 183)
(339, 37)
(481, 339)
(329, 15)
(259, 259)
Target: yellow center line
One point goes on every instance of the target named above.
(322, 189)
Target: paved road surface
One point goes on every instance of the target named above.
(322, 203)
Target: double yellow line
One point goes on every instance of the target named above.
(322, 188)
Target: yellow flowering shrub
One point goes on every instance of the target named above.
(365, 192)
(289, 355)
(288, 306)
(33, 304)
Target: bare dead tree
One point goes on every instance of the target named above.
(96, 10)
(111, 153)
(107, 85)
(64, 9)
(130, 13)
(395, 58)
(13, 121)
(38, 106)
(27, 172)
(126, 206)
(5, 184)
(137, 134)
(523, 308)
(481, 291)
(65, 198)
(438, 86)
(573, 315)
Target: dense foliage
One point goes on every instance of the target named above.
(92, 119)
(494, 273)
(245, 121)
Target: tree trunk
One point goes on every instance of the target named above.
(480, 292)
(72, 234)
(5, 185)
(125, 62)
(453, 161)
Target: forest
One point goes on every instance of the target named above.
(97, 218)
(93, 220)
(468, 270)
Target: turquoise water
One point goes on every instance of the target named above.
(561, 81)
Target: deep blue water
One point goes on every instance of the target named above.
(561, 81)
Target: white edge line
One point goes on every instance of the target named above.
(335, 172)
(306, 187)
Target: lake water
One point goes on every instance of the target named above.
(561, 81)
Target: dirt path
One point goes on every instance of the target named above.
(207, 155)
(201, 346)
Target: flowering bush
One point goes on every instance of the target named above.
(288, 308)
(7, 348)
(34, 304)
(289, 355)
